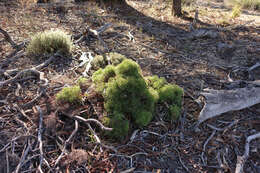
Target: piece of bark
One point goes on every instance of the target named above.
(221, 101)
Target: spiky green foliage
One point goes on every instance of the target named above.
(171, 94)
(126, 94)
(175, 112)
(119, 123)
(156, 82)
(50, 42)
(102, 76)
(115, 58)
(70, 95)
(131, 98)
(100, 61)
(81, 81)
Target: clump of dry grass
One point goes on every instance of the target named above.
(246, 4)
(50, 42)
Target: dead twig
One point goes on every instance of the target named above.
(204, 147)
(92, 120)
(95, 136)
(25, 152)
(33, 70)
(14, 139)
(242, 159)
(38, 96)
(7, 162)
(40, 137)
(8, 38)
(223, 129)
(183, 165)
(67, 142)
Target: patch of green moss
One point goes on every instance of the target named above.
(143, 118)
(70, 95)
(50, 42)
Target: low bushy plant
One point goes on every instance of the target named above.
(50, 42)
(130, 98)
(69, 95)
(168, 93)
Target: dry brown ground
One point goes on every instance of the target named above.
(162, 45)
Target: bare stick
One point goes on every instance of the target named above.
(8, 38)
(30, 103)
(40, 137)
(33, 70)
(25, 152)
(183, 165)
(104, 28)
(242, 159)
(66, 143)
(222, 129)
(205, 145)
(92, 120)
(23, 113)
(7, 162)
(95, 135)
(14, 139)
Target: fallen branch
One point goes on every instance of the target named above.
(33, 70)
(97, 34)
(205, 145)
(38, 96)
(92, 120)
(67, 142)
(8, 38)
(242, 159)
(25, 153)
(40, 137)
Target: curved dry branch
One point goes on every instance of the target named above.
(92, 120)
(33, 70)
(242, 159)
(8, 38)
(66, 142)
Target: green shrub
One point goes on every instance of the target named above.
(69, 94)
(167, 93)
(131, 98)
(119, 123)
(175, 112)
(50, 42)
(82, 82)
